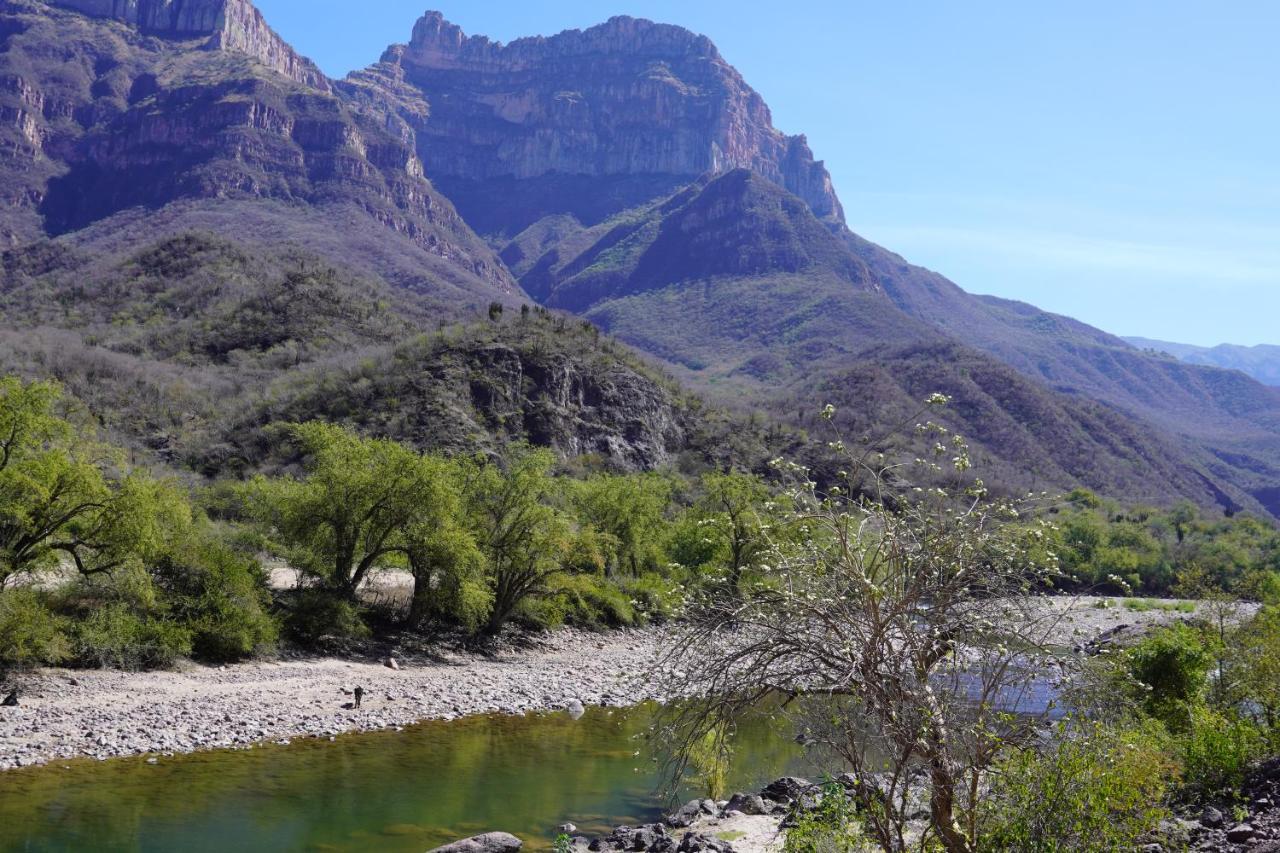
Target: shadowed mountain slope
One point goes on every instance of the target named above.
(736, 281)
(192, 347)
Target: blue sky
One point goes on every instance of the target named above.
(1115, 161)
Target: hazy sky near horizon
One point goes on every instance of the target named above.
(1117, 162)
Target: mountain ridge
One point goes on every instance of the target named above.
(625, 172)
(1262, 361)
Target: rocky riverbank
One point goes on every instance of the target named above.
(745, 823)
(100, 714)
(67, 714)
(1249, 825)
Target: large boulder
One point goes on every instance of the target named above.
(490, 842)
(688, 814)
(1240, 833)
(748, 804)
(786, 788)
(697, 842)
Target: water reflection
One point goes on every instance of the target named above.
(389, 791)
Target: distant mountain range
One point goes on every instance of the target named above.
(170, 167)
(1262, 362)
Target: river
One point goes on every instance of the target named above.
(387, 791)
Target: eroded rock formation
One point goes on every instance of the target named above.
(623, 99)
(234, 25)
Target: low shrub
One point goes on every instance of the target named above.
(1216, 751)
(657, 598)
(114, 636)
(30, 633)
(1172, 665)
(1093, 790)
(317, 614)
(831, 827)
(586, 601)
(221, 596)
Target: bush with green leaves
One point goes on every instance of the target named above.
(1091, 789)
(1216, 750)
(1253, 664)
(589, 602)
(830, 827)
(1107, 547)
(221, 596)
(117, 636)
(1171, 666)
(315, 616)
(31, 634)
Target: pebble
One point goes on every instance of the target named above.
(112, 714)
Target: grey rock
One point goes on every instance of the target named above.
(788, 787)
(684, 137)
(697, 842)
(748, 804)
(1240, 833)
(1266, 847)
(685, 815)
(1212, 818)
(490, 842)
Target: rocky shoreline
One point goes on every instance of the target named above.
(64, 714)
(757, 823)
(745, 823)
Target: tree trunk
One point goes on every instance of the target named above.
(942, 807)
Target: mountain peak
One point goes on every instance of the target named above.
(623, 99)
(437, 41)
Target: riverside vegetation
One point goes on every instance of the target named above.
(894, 594)
(902, 621)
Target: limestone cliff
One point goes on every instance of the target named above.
(623, 99)
(234, 25)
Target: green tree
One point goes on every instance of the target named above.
(524, 539)
(63, 495)
(347, 513)
(632, 510)
(736, 514)
(1255, 662)
(1172, 665)
(363, 503)
(442, 554)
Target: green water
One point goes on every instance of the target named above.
(386, 791)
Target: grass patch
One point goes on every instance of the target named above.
(1144, 605)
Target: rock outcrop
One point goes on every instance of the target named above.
(490, 842)
(233, 25)
(626, 98)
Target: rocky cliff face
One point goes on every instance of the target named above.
(626, 98)
(101, 120)
(234, 25)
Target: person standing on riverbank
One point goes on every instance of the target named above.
(359, 694)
